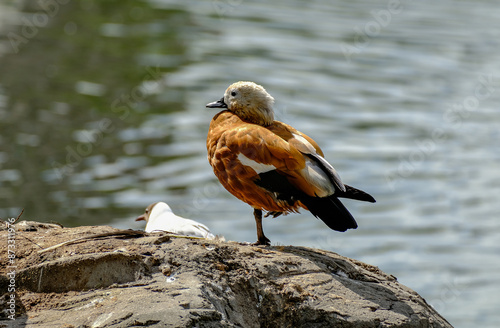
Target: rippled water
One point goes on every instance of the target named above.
(102, 112)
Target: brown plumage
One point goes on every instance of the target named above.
(270, 165)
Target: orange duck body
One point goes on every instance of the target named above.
(270, 165)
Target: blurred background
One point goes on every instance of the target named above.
(102, 112)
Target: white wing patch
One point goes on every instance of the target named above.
(257, 167)
(318, 173)
(336, 177)
(306, 143)
(315, 175)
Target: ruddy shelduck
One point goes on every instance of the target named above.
(270, 165)
(160, 217)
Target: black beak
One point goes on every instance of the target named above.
(217, 104)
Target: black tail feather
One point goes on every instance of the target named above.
(353, 193)
(331, 211)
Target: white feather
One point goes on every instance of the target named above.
(257, 167)
(316, 174)
(162, 218)
(306, 143)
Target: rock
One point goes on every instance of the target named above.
(127, 278)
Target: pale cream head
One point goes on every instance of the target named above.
(249, 101)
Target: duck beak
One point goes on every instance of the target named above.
(217, 104)
(141, 218)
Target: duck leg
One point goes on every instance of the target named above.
(261, 238)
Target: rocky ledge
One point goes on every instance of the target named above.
(99, 276)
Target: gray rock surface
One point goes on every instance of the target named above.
(132, 279)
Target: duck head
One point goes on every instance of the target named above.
(249, 101)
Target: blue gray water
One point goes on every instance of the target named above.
(102, 112)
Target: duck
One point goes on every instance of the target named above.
(270, 165)
(160, 217)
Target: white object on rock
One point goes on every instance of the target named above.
(159, 217)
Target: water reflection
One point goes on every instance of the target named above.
(102, 112)
(71, 90)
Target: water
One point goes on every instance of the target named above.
(102, 112)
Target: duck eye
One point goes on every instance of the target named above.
(233, 93)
